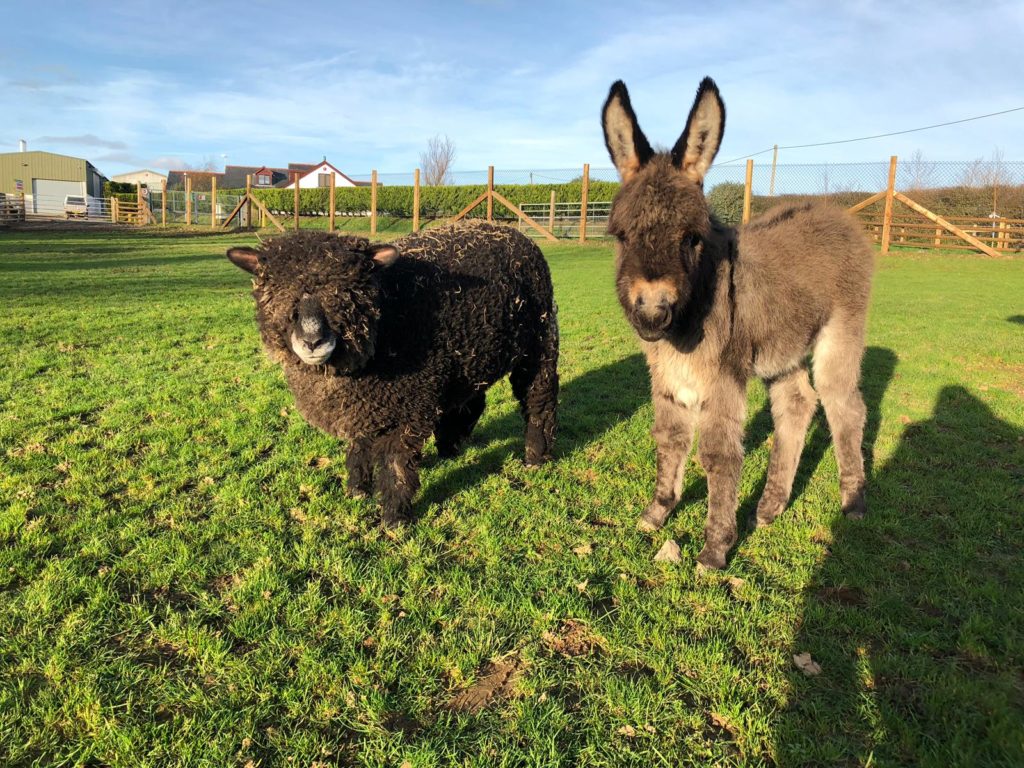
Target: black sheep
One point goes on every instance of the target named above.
(387, 344)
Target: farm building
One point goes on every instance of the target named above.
(144, 176)
(264, 177)
(46, 178)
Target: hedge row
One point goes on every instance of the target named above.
(435, 202)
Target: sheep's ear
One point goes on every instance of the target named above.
(627, 145)
(699, 142)
(244, 258)
(384, 255)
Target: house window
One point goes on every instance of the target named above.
(325, 179)
(263, 180)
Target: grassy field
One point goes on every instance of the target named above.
(183, 582)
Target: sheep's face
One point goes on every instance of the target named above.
(317, 298)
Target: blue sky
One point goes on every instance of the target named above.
(515, 84)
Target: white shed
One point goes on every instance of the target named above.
(320, 176)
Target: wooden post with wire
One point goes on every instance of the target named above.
(416, 200)
(490, 193)
(188, 201)
(295, 206)
(213, 202)
(584, 202)
(139, 220)
(247, 200)
(775, 160)
(373, 202)
(890, 192)
(551, 213)
(163, 203)
(333, 204)
(748, 188)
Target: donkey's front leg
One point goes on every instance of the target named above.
(721, 455)
(673, 434)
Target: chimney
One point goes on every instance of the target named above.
(22, 146)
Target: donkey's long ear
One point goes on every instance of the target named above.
(699, 142)
(626, 143)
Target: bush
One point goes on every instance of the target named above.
(726, 202)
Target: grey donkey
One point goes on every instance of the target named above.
(715, 305)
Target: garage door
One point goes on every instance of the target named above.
(48, 195)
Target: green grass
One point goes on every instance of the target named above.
(183, 582)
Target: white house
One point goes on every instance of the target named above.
(320, 176)
(151, 179)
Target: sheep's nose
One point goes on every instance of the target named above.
(312, 344)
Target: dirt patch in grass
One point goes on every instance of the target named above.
(492, 685)
(572, 638)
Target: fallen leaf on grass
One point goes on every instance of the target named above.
(321, 462)
(583, 550)
(669, 553)
(628, 731)
(493, 682)
(735, 584)
(806, 664)
(582, 586)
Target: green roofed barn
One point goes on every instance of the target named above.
(46, 178)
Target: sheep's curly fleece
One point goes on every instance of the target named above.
(462, 306)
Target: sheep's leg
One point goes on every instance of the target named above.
(721, 454)
(456, 424)
(359, 463)
(535, 385)
(398, 476)
(673, 434)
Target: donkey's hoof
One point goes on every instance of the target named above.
(710, 559)
(649, 523)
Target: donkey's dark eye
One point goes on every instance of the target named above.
(691, 241)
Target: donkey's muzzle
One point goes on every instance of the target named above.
(652, 320)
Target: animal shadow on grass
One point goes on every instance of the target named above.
(916, 615)
(1018, 319)
(589, 405)
(876, 373)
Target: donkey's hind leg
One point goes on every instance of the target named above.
(793, 404)
(837, 358)
(535, 385)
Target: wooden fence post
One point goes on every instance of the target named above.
(775, 160)
(163, 203)
(490, 193)
(416, 200)
(248, 200)
(748, 187)
(584, 202)
(373, 202)
(551, 213)
(139, 221)
(188, 201)
(890, 191)
(113, 209)
(213, 202)
(295, 206)
(333, 205)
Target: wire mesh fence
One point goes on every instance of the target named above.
(978, 198)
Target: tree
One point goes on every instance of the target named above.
(436, 163)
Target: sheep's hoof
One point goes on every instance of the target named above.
(357, 493)
(393, 520)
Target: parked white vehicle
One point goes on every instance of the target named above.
(75, 206)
